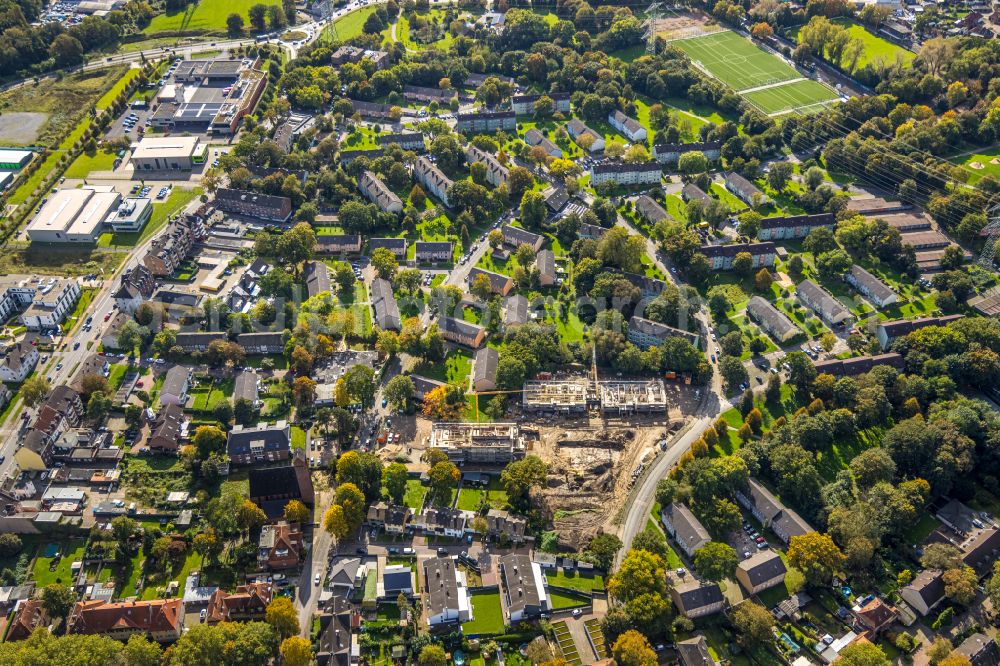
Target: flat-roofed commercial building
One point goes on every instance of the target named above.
(14, 159)
(167, 153)
(131, 215)
(73, 216)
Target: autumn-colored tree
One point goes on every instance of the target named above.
(816, 556)
(335, 523)
(755, 420)
(302, 360)
(249, 515)
(762, 280)
(281, 615)
(641, 572)
(444, 403)
(746, 432)
(350, 497)
(297, 512)
(304, 391)
(633, 649)
(762, 30)
(296, 651)
(699, 449)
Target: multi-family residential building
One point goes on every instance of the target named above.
(925, 591)
(649, 287)
(534, 137)
(649, 210)
(462, 332)
(247, 604)
(875, 291)
(252, 204)
(524, 105)
(338, 244)
(433, 252)
(858, 365)
(496, 173)
(192, 341)
(339, 639)
(515, 310)
(761, 571)
(645, 333)
(771, 513)
(670, 153)
(523, 586)
(545, 262)
(167, 430)
(484, 370)
(577, 130)
(443, 521)
(371, 109)
(499, 283)
(772, 320)
(696, 599)
(48, 301)
(746, 191)
(272, 488)
(280, 546)
(591, 232)
(176, 384)
(385, 310)
(980, 650)
(354, 54)
(486, 121)
(405, 140)
(794, 226)
(395, 245)
(627, 127)
(432, 179)
(694, 652)
(28, 616)
(515, 237)
(136, 285)
(160, 619)
(317, 277)
(172, 246)
(268, 342)
(379, 193)
(625, 173)
(62, 411)
(18, 362)
(890, 330)
(447, 593)
(504, 526)
(425, 94)
(684, 528)
(720, 257)
(691, 192)
(392, 518)
(820, 301)
(262, 443)
(246, 387)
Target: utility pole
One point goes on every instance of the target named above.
(652, 15)
(992, 231)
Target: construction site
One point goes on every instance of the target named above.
(478, 443)
(618, 398)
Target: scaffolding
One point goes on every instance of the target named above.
(562, 397)
(633, 397)
(479, 443)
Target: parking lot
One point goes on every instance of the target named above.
(747, 541)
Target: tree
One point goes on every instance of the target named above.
(833, 264)
(520, 476)
(732, 371)
(779, 175)
(743, 264)
(620, 248)
(359, 380)
(385, 263)
(960, 585)
(234, 24)
(753, 624)
(816, 556)
(244, 411)
(749, 223)
(140, 651)
(641, 572)
(249, 515)
(941, 556)
(208, 440)
(862, 653)
(715, 561)
(281, 615)
(57, 600)
(481, 287)
(533, 211)
(399, 391)
(443, 477)
(394, 479)
(335, 523)
(432, 655)
(762, 281)
(296, 651)
(603, 547)
(362, 470)
(762, 31)
(226, 644)
(34, 390)
(444, 403)
(692, 162)
(123, 529)
(633, 649)
(732, 343)
(206, 543)
(10, 544)
(297, 512)
(66, 50)
(802, 372)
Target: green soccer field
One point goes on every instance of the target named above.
(806, 96)
(743, 66)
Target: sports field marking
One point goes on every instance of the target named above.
(767, 86)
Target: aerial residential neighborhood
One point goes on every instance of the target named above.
(492, 334)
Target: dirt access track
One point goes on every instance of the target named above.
(590, 472)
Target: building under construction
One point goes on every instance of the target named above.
(637, 397)
(558, 397)
(479, 443)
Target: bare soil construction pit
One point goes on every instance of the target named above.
(681, 25)
(590, 475)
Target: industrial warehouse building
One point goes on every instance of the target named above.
(168, 153)
(74, 216)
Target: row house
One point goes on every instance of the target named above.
(136, 285)
(172, 246)
(523, 586)
(379, 193)
(405, 140)
(770, 512)
(859, 365)
(772, 320)
(504, 526)
(160, 619)
(720, 257)
(446, 599)
(385, 310)
(199, 340)
(670, 153)
(338, 243)
(820, 301)
(696, 599)
(443, 521)
(545, 262)
(392, 518)
(176, 385)
(428, 95)
(788, 227)
(647, 208)
(462, 332)
(371, 109)
(395, 245)
(354, 54)
(486, 121)
(434, 252)
(268, 342)
(524, 105)
(499, 284)
(691, 192)
(878, 293)
(317, 278)
(684, 528)
(247, 604)
(515, 237)
(496, 173)
(761, 571)
(627, 127)
(251, 204)
(744, 190)
(625, 173)
(645, 333)
(891, 330)
(432, 179)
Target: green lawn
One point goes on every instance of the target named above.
(470, 498)
(85, 163)
(298, 438)
(348, 27)
(575, 581)
(204, 17)
(109, 97)
(178, 198)
(807, 95)
(487, 615)
(735, 60)
(43, 573)
(415, 493)
(986, 162)
(455, 369)
(86, 296)
(561, 600)
(875, 48)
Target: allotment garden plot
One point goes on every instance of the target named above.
(763, 79)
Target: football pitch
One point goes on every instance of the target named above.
(763, 79)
